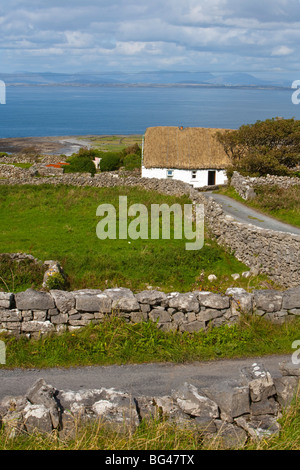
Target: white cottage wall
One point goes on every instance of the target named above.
(199, 181)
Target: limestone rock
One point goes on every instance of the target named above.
(43, 394)
(287, 388)
(64, 301)
(193, 403)
(260, 382)
(259, 427)
(289, 369)
(34, 300)
(122, 299)
(231, 397)
(6, 299)
(185, 302)
(215, 301)
(37, 418)
(151, 297)
(291, 298)
(268, 300)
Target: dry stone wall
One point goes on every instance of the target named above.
(231, 412)
(276, 254)
(34, 313)
(245, 185)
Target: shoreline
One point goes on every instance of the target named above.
(52, 145)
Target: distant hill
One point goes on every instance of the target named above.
(152, 78)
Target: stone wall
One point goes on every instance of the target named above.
(33, 313)
(245, 185)
(103, 180)
(276, 254)
(229, 412)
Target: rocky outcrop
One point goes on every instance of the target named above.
(230, 411)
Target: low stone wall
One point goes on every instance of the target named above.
(33, 313)
(106, 180)
(245, 185)
(12, 171)
(229, 412)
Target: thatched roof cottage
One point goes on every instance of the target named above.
(190, 154)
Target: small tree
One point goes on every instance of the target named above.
(271, 146)
(79, 164)
(132, 161)
(110, 161)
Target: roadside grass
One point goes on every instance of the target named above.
(59, 222)
(116, 342)
(282, 204)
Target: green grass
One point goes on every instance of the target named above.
(116, 342)
(282, 204)
(114, 143)
(59, 222)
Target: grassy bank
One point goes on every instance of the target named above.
(116, 342)
(282, 204)
(60, 223)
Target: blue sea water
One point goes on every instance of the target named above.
(60, 111)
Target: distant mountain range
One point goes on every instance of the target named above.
(140, 78)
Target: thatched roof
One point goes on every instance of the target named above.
(185, 148)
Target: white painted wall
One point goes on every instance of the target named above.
(185, 176)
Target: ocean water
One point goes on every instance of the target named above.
(60, 111)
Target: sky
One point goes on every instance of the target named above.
(142, 35)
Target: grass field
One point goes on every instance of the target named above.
(114, 143)
(283, 204)
(60, 223)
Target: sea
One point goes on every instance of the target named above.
(37, 111)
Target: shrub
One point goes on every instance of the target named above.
(56, 281)
(132, 161)
(271, 146)
(79, 164)
(110, 161)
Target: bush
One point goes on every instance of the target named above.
(132, 161)
(110, 161)
(79, 164)
(56, 281)
(271, 146)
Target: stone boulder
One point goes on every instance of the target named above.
(34, 300)
(123, 300)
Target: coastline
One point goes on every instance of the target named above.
(54, 145)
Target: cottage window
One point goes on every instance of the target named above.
(194, 174)
(170, 173)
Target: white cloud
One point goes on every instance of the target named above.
(176, 33)
(282, 51)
